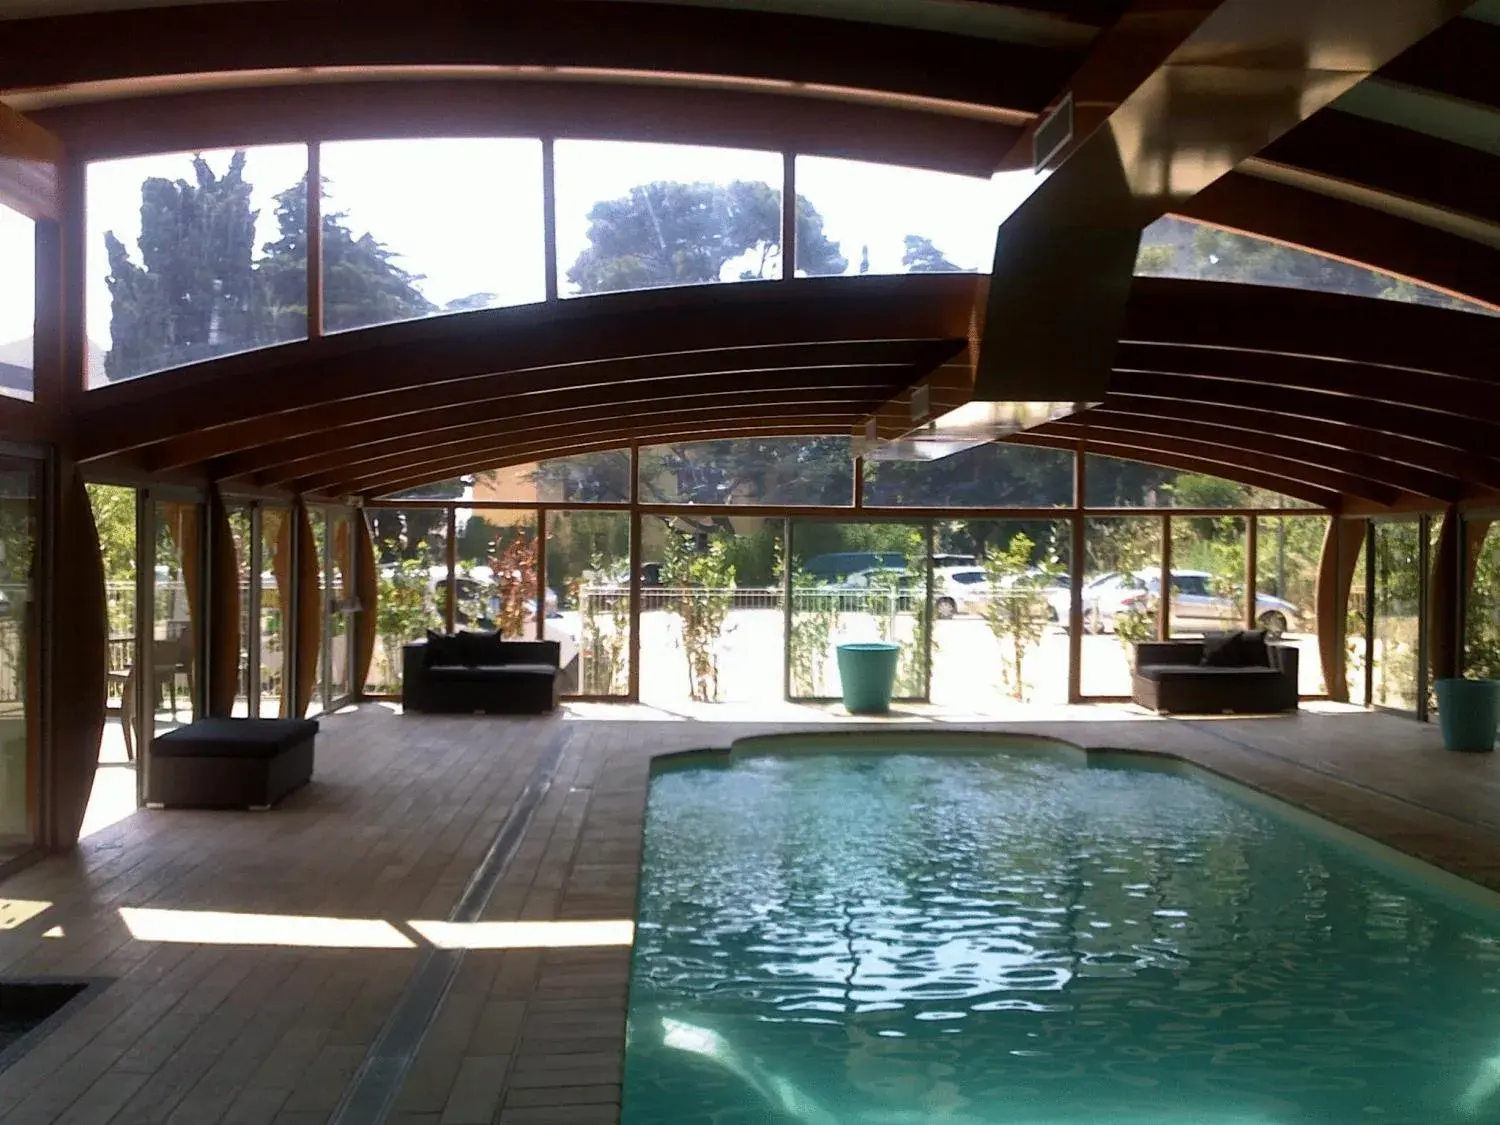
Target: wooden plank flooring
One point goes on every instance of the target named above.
(271, 1030)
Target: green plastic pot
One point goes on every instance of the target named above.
(867, 671)
(1468, 712)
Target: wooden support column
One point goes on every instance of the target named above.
(74, 662)
(1443, 598)
(367, 592)
(1342, 543)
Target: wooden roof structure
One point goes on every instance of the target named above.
(1343, 401)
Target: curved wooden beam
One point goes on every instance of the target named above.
(76, 665)
(1301, 490)
(1361, 236)
(529, 339)
(396, 482)
(367, 591)
(1232, 459)
(1467, 435)
(1355, 464)
(1400, 453)
(654, 38)
(697, 426)
(579, 422)
(364, 421)
(1342, 543)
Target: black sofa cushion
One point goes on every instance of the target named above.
(233, 738)
(483, 672)
(1237, 648)
(1201, 672)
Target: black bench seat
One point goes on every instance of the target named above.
(230, 763)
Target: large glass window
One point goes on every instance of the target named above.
(274, 638)
(1288, 551)
(1482, 602)
(1208, 578)
(589, 478)
(856, 582)
(114, 522)
(18, 528)
(177, 591)
(411, 553)
(1175, 247)
(712, 625)
(1122, 560)
(1110, 482)
(1357, 639)
(17, 303)
(642, 216)
(191, 257)
(788, 471)
(340, 608)
(588, 568)
(997, 475)
(415, 228)
(1000, 598)
(857, 218)
(240, 531)
(1398, 576)
(496, 585)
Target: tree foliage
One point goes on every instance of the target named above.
(200, 290)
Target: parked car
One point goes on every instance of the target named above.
(1195, 604)
(840, 566)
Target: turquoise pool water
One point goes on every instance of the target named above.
(1021, 938)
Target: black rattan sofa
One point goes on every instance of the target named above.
(467, 672)
(1172, 676)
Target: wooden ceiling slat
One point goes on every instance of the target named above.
(1287, 486)
(662, 38)
(1355, 463)
(578, 419)
(1229, 457)
(525, 454)
(1400, 452)
(1457, 60)
(623, 430)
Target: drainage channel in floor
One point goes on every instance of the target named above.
(373, 1090)
(32, 1008)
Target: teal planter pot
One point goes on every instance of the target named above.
(868, 673)
(1468, 712)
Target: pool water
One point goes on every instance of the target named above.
(1022, 938)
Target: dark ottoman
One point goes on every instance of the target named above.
(230, 763)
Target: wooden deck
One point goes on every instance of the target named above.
(257, 958)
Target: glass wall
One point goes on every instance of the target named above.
(1287, 552)
(588, 565)
(1175, 247)
(1208, 578)
(496, 584)
(712, 622)
(782, 471)
(240, 531)
(1110, 482)
(1000, 599)
(275, 599)
(194, 256)
(19, 493)
(1122, 559)
(390, 255)
(17, 303)
(339, 626)
(411, 562)
(856, 218)
(1357, 639)
(997, 475)
(1398, 581)
(114, 510)
(852, 582)
(177, 589)
(318, 701)
(590, 478)
(643, 216)
(1482, 606)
